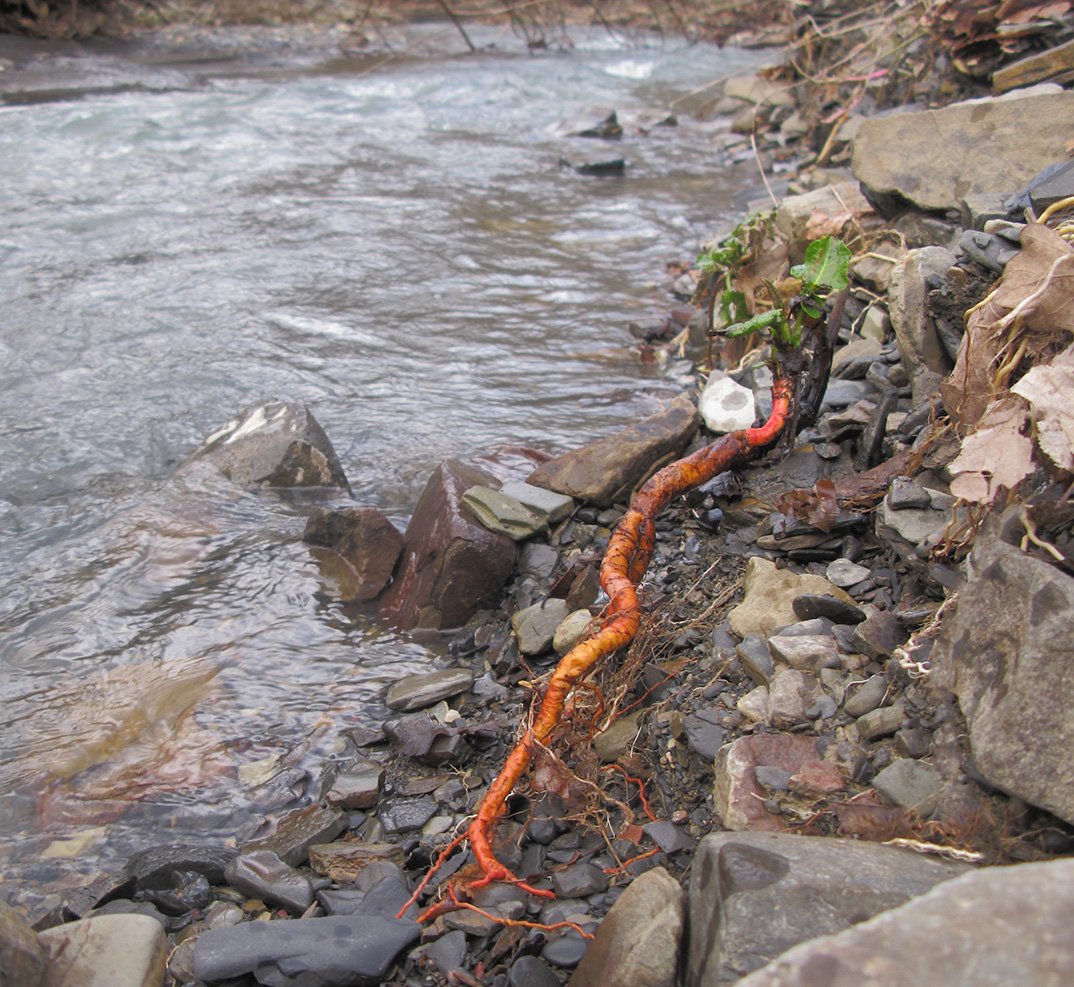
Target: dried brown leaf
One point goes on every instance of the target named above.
(1048, 390)
(996, 455)
(1026, 319)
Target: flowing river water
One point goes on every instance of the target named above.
(395, 243)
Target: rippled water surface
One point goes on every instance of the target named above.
(397, 246)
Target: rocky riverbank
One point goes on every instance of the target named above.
(847, 714)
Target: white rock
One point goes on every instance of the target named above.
(725, 405)
(106, 951)
(574, 627)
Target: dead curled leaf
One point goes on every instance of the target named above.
(1025, 321)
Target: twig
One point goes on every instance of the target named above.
(454, 17)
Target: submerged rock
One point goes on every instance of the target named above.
(364, 539)
(273, 445)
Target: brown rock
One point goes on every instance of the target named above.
(606, 471)
(451, 564)
(366, 541)
(737, 798)
(343, 861)
(815, 779)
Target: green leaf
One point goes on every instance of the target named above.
(766, 320)
(733, 306)
(826, 265)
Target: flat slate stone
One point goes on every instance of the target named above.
(263, 875)
(339, 951)
(503, 514)
(550, 506)
(421, 691)
(298, 830)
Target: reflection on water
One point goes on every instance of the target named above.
(401, 250)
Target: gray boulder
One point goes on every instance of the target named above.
(606, 471)
(936, 158)
(341, 951)
(989, 928)
(1006, 655)
(273, 445)
(754, 895)
(451, 564)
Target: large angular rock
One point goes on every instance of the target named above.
(341, 951)
(106, 951)
(606, 471)
(755, 895)
(1006, 655)
(934, 158)
(366, 541)
(769, 594)
(451, 564)
(988, 928)
(637, 944)
(273, 445)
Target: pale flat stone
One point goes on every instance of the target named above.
(503, 514)
(574, 628)
(106, 951)
(769, 595)
(419, 691)
(552, 507)
(536, 626)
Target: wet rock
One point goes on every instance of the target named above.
(769, 595)
(451, 564)
(579, 881)
(536, 626)
(153, 867)
(899, 157)
(188, 891)
(549, 506)
(106, 951)
(725, 405)
(274, 445)
(357, 787)
(404, 815)
(810, 606)
(341, 951)
(529, 971)
(263, 875)
(447, 953)
(789, 697)
(606, 471)
(816, 885)
(915, 329)
(914, 785)
(298, 830)
(738, 801)
(419, 691)
(364, 538)
(1002, 654)
(608, 129)
(345, 861)
(988, 928)
(502, 514)
(22, 957)
(637, 944)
